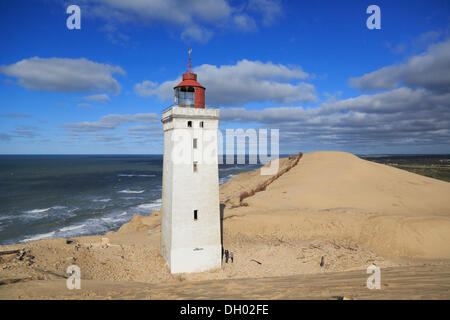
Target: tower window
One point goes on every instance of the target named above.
(195, 167)
(201, 124)
(195, 214)
(185, 96)
(194, 143)
(189, 124)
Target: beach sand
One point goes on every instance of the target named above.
(311, 233)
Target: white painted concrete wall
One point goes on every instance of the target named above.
(190, 245)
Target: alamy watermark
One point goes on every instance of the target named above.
(374, 280)
(74, 280)
(74, 20)
(374, 20)
(206, 146)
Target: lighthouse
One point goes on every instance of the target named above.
(190, 227)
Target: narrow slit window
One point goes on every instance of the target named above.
(195, 167)
(189, 124)
(201, 124)
(194, 143)
(195, 214)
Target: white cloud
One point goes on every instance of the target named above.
(414, 114)
(112, 121)
(25, 133)
(145, 128)
(15, 115)
(98, 98)
(197, 19)
(246, 81)
(270, 10)
(197, 33)
(244, 22)
(413, 119)
(402, 116)
(173, 11)
(418, 44)
(22, 132)
(5, 136)
(430, 70)
(64, 75)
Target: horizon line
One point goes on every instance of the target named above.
(224, 154)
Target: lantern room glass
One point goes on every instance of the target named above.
(185, 96)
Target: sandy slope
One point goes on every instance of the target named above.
(332, 206)
(328, 180)
(415, 282)
(336, 195)
(245, 182)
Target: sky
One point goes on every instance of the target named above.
(312, 69)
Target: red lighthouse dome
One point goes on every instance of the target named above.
(189, 93)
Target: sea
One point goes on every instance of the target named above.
(48, 196)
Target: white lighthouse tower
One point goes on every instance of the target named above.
(190, 235)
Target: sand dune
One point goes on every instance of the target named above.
(328, 180)
(331, 207)
(231, 193)
(336, 195)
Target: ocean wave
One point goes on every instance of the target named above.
(239, 167)
(45, 210)
(131, 198)
(38, 210)
(40, 236)
(71, 228)
(102, 200)
(131, 191)
(112, 220)
(225, 179)
(5, 217)
(229, 168)
(149, 206)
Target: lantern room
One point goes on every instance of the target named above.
(189, 93)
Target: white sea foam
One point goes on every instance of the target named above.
(5, 217)
(123, 214)
(131, 191)
(150, 206)
(145, 206)
(72, 228)
(131, 198)
(45, 210)
(39, 236)
(38, 210)
(111, 219)
(229, 168)
(102, 200)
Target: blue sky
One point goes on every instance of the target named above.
(309, 68)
